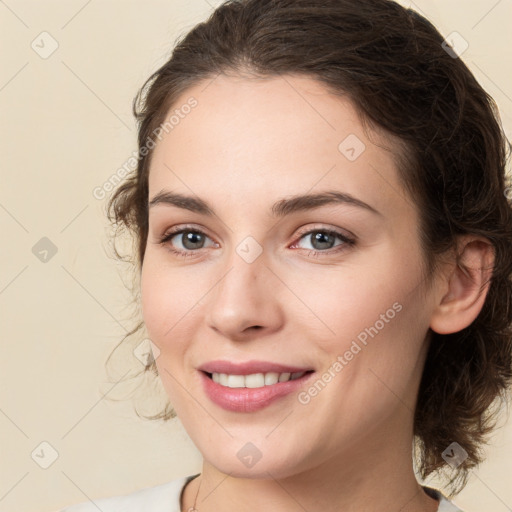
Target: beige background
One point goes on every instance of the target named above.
(66, 127)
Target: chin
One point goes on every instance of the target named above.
(260, 459)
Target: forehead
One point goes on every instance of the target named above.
(256, 138)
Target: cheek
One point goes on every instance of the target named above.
(379, 334)
(155, 307)
(375, 314)
(169, 300)
(345, 302)
(169, 296)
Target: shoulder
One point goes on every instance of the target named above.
(444, 504)
(447, 506)
(160, 498)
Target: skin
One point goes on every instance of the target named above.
(249, 143)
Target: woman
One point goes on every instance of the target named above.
(324, 243)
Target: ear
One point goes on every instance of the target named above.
(464, 286)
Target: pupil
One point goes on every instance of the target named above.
(323, 239)
(192, 240)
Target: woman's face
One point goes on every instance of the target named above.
(291, 320)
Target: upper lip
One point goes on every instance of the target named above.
(249, 367)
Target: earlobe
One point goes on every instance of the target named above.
(468, 282)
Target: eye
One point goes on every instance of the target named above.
(322, 240)
(186, 241)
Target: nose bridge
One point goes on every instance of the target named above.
(243, 286)
(243, 297)
(246, 269)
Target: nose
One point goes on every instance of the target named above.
(245, 303)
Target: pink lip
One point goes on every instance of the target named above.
(249, 399)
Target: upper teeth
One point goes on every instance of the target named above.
(254, 380)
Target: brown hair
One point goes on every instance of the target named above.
(392, 64)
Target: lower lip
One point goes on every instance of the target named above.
(249, 399)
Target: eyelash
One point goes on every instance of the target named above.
(347, 241)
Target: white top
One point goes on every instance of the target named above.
(166, 498)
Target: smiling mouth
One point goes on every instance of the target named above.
(254, 380)
(251, 386)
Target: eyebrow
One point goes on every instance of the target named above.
(281, 208)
